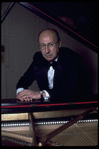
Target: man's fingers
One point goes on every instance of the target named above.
(27, 95)
(25, 98)
(24, 93)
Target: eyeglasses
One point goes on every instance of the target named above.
(49, 45)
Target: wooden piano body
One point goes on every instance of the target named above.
(45, 118)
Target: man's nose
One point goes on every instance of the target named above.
(47, 49)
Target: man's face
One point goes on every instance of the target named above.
(49, 45)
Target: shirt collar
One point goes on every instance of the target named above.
(56, 59)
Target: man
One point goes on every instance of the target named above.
(55, 69)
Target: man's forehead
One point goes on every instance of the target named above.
(46, 40)
(47, 33)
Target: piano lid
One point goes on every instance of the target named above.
(80, 20)
(77, 19)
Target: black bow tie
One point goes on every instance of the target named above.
(54, 64)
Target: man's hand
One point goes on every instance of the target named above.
(28, 95)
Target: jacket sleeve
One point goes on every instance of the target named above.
(27, 79)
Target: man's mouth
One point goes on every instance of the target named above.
(50, 55)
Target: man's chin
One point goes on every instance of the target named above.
(49, 59)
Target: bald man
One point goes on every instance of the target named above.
(55, 69)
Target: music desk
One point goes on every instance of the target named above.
(15, 106)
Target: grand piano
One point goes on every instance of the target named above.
(82, 112)
(78, 123)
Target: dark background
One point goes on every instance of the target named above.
(84, 15)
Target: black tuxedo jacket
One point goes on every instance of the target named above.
(66, 78)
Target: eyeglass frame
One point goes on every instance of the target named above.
(49, 44)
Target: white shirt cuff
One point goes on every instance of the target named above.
(47, 95)
(19, 90)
